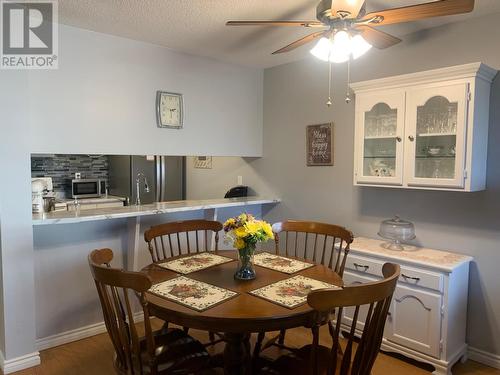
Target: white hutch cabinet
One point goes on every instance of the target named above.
(426, 130)
(428, 315)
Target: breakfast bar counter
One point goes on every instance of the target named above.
(67, 217)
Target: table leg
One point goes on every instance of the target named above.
(237, 359)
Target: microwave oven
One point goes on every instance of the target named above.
(88, 188)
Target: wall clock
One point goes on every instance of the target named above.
(169, 110)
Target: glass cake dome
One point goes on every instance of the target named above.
(398, 231)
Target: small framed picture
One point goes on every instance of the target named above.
(319, 145)
(203, 162)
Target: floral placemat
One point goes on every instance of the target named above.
(194, 294)
(279, 263)
(291, 292)
(195, 262)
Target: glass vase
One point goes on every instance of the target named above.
(245, 269)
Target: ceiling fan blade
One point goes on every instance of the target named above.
(417, 12)
(341, 7)
(377, 38)
(276, 23)
(301, 42)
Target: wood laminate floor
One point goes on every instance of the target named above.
(94, 356)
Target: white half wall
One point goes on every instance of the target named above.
(102, 100)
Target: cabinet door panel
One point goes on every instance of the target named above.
(415, 320)
(436, 125)
(379, 131)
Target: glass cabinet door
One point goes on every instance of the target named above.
(379, 132)
(436, 125)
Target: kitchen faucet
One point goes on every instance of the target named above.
(138, 187)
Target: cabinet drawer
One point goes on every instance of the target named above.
(409, 275)
(364, 265)
(422, 278)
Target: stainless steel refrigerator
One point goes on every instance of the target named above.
(163, 175)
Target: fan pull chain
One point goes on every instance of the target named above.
(329, 102)
(348, 92)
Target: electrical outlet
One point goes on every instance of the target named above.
(240, 180)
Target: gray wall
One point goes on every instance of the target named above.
(295, 95)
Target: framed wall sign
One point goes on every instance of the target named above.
(169, 110)
(319, 144)
(203, 162)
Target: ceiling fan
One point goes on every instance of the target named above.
(349, 16)
(350, 31)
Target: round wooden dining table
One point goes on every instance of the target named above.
(240, 316)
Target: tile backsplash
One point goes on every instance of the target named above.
(62, 169)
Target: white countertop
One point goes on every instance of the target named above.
(439, 259)
(67, 217)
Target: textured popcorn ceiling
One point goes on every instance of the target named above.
(197, 26)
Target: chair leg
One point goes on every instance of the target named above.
(258, 344)
(281, 339)
(315, 343)
(211, 336)
(256, 350)
(331, 330)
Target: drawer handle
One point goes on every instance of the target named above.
(361, 266)
(410, 278)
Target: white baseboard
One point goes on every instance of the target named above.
(486, 358)
(76, 334)
(9, 366)
(70, 336)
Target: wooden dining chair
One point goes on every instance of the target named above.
(163, 352)
(323, 243)
(179, 237)
(355, 358)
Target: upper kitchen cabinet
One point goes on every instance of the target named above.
(426, 130)
(381, 119)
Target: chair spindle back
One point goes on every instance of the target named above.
(167, 240)
(327, 244)
(113, 287)
(376, 297)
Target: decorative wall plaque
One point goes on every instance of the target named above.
(319, 141)
(203, 162)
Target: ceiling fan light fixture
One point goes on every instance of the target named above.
(359, 46)
(329, 51)
(339, 48)
(322, 49)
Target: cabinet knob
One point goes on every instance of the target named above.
(398, 139)
(411, 138)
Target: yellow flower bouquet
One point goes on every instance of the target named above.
(244, 232)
